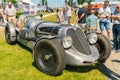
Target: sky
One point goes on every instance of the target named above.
(53, 3)
(60, 3)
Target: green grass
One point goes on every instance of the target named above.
(16, 63)
(53, 18)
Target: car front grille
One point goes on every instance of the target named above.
(80, 42)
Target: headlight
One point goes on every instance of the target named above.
(92, 38)
(67, 42)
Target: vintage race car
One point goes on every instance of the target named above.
(54, 45)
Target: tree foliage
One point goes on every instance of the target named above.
(43, 2)
(70, 2)
(82, 1)
(65, 1)
(13, 1)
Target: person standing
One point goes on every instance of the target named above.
(82, 14)
(11, 12)
(68, 13)
(92, 21)
(60, 15)
(1, 13)
(116, 29)
(76, 12)
(104, 15)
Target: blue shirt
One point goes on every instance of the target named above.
(116, 21)
(80, 12)
(92, 20)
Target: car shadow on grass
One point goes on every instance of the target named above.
(118, 61)
(24, 47)
(83, 69)
(111, 75)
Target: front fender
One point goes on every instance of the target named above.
(49, 37)
(11, 27)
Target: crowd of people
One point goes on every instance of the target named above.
(64, 15)
(89, 21)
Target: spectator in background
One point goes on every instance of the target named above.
(60, 15)
(92, 21)
(65, 16)
(1, 13)
(11, 12)
(78, 8)
(112, 8)
(4, 15)
(82, 14)
(44, 8)
(68, 13)
(40, 8)
(116, 29)
(33, 10)
(26, 8)
(57, 9)
(76, 12)
(104, 15)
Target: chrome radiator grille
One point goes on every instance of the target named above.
(80, 43)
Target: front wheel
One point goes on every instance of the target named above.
(49, 55)
(104, 48)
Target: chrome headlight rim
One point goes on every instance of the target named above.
(67, 42)
(92, 38)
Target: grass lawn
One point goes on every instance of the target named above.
(16, 63)
(53, 18)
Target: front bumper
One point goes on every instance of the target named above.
(75, 58)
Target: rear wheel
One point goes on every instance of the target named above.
(104, 47)
(10, 34)
(49, 56)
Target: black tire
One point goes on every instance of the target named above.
(8, 36)
(53, 61)
(104, 48)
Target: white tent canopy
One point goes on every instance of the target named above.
(28, 1)
(113, 3)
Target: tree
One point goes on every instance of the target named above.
(65, 1)
(13, 1)
(46, 3)
(43, 2)
(82, 1)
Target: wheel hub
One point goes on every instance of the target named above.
(47, 57)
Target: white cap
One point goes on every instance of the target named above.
(79, 6)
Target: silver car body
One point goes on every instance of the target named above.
(74, 55)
